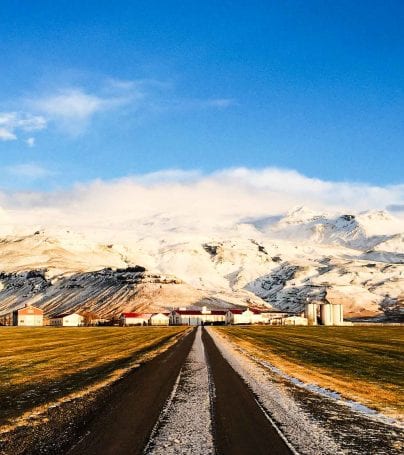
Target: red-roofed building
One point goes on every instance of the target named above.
(127, 319)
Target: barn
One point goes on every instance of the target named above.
(67, 320)
(28, 316)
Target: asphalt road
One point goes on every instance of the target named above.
(239, 425)
(124, 424)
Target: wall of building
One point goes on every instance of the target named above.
(29, 320)
(159, 319)
(134, 321)
(73, 320)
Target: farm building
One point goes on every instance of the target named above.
(258, 316)
(247, 316)
(29, 316)
(295, 320)
(274, 317)
(67, 320)
(159, 319)
(185, 317)
(214, 317)
(197, 317)
(127, 319)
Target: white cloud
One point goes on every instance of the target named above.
(73, 108)
(13, 122)
(191, 201)
(7, 135)
(30, 171)
(30, 141)
(72, 103)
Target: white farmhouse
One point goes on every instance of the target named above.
(159, 319)
(247, 316)
(127, 319)
(67, 320)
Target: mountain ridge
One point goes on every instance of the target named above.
(302, 255)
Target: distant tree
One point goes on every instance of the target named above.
(89, 317)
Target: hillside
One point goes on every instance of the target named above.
(357, 260)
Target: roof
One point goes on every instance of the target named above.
(159, 314)
(135, 315)
(255, 311)
(189, 312)
(63, 315)
(238, 311)
(278, 311)
(200, 312)
(29, 309)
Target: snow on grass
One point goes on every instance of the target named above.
(313, 411)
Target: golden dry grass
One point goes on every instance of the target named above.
(41, 365)
(362, 363)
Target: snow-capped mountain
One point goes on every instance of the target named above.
(357, 259)
(362, 231)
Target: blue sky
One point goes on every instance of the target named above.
(101, 89)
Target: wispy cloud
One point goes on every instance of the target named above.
(72, 109)
(31, 171)
(220, 102)
(11, 123)
(71, 103)
(7, 135)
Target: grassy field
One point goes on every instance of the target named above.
(41, 365)
(362, 363)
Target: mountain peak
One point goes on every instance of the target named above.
(302, 214)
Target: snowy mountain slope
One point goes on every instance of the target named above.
(278, 261)
(363, 231)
